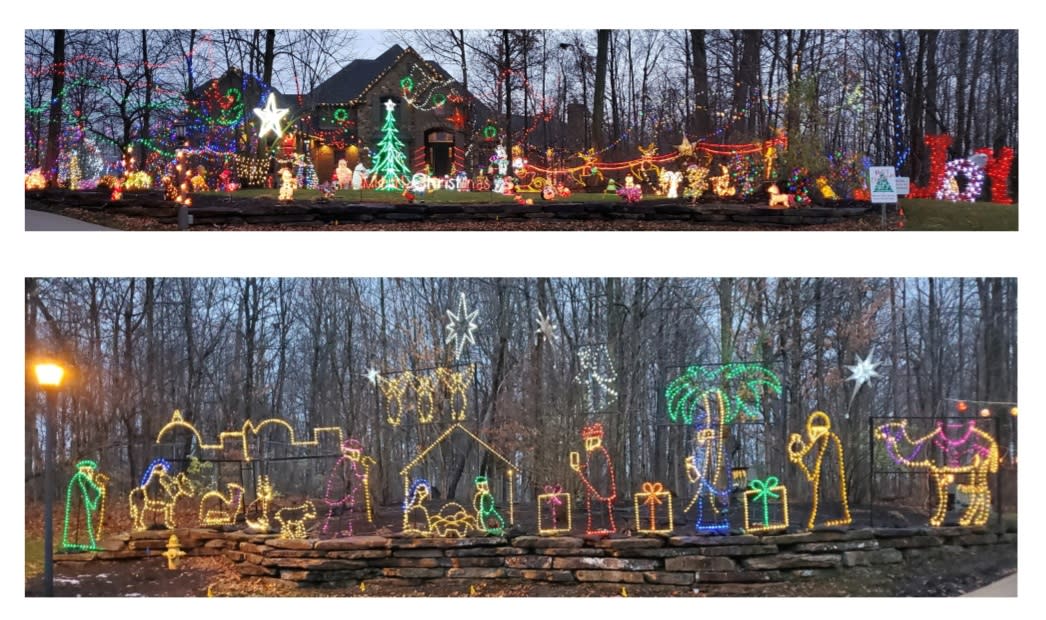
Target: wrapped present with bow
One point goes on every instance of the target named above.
(766, 506)
(554, 511)
(653, 509)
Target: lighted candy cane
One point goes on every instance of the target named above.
(652, 489)
(763, 492)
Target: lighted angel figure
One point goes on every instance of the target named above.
(415, 515)
(348, 484)
(826, 472)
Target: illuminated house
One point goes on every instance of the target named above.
(348, 109)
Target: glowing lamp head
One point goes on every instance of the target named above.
(1013, 411)
(961, 406)
(984, 413)
(49, 375)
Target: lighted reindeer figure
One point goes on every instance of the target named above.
(975, 454)
(158, 493)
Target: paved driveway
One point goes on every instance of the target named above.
(1007, 586)
(41, 220)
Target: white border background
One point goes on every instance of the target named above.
(654, 254)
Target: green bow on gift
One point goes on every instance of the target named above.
(763, 489)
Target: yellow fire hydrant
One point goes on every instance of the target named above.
(174, 552)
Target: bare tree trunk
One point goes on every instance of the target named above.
(599, 96)
(702, 119)
(54, 117)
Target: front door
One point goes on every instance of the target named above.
(438, 146)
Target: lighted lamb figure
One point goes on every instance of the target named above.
(777, 199)
(292, 519)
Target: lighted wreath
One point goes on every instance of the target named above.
(949, 189)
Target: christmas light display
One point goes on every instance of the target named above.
(938, 149)
(414, 510)
(260, 506)
(998, 170)
(949, 187)
(721, 184)
(555, 501)
(219, 509)
(799, 187)
(826, 190)
(738, 387)
(631, 194)
(974, 454)
(409, 489)
(158, 492)
(597, 475)
(270, 117)
(461, 326)
(760, 494)
(452, 521)
(456, 384)
(173, 553)
(487, 517)
(777, 199)
(696, 182)
(347, 480)
(85, 492)
(287, 185)
(824, 444)
(652, 496)
(344, 174)
(862, 372)
(35, 179)
(389, 171)
(546, 328)
(685, 149)
(248, 429)
(292, 520)
(597, 376)
(140, 180)
(395, 391)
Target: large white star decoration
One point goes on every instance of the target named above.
(270, 117)
(460, 328)
(546, 328)
(390, 105)
(862, 372)
(373, 375)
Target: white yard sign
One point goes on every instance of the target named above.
(902, 186)
(883, 185)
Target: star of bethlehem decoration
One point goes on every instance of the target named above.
(373, 375)
(461, 326)
(862, 372)
(270, 117)
(546, 328)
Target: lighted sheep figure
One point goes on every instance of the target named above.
(292, 519)
(777, 199)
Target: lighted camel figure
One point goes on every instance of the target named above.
(219, 509)
(975, 454)
(158, 493)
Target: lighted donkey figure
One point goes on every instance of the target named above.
(158, 492)
(975, 454)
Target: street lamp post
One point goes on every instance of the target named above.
(49, 377)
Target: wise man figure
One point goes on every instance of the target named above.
(826, 471)
(348, 484)
(707, 469)
(597, 474)
(84, 497)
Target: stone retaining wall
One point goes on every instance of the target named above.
(232, 211)
(677, 560)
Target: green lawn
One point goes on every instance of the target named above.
(946, 215)
(437, 197)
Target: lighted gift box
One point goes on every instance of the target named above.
(554, 512)
(766, 506)
(653, 509)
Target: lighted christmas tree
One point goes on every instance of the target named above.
(390, 163)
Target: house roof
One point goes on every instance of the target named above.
(451, 431)
(355, 79)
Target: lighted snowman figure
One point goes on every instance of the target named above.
(288, 184)
(501, 158)
(357, 175)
